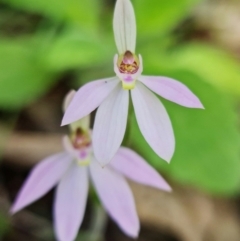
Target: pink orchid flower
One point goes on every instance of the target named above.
(112, 97)
(71, 171)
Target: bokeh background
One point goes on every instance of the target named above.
(48, 47)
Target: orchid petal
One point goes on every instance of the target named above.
(43, 177)
(88, 98)
(172, 90)
(153, 121)
(68, 98)
(116, 197)
(84, 122)
(110, 125)
(124, 26)
(70, 202)
(134, 167)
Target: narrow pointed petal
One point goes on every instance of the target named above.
(70, 203)
(43, 177)
(116, 197)
(88, 98)
(134, 167)
(124, 26)
(110, 125)
(153, 121)
(172, 90)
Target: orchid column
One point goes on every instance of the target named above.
(112, 97)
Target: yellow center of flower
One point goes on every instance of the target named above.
(128, 65)
(84, 163)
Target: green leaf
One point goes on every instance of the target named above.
(157, 17)
(213, 65)
(74, 49)
(207, 141)
(84, 13)
(23, 77)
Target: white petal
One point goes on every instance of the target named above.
(124, 26)
(134, 167)
(153, 121)
(172, 90)
(116, 197)
(110, 125)
(43, 177)
(88, 98)
(70, 203)
(83, 123)
(68, 98)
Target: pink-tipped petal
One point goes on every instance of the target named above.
(70, 202)
(153, 121)
(172, 90)
(124, 26)
(116, 198)
(110, 125)
(134, 167)
(43, 177)
(88, 98)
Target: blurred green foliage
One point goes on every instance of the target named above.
(75, 35)
(160, 17)
(82, 13)
(74, 49)
(23, 75)
(211, 64)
